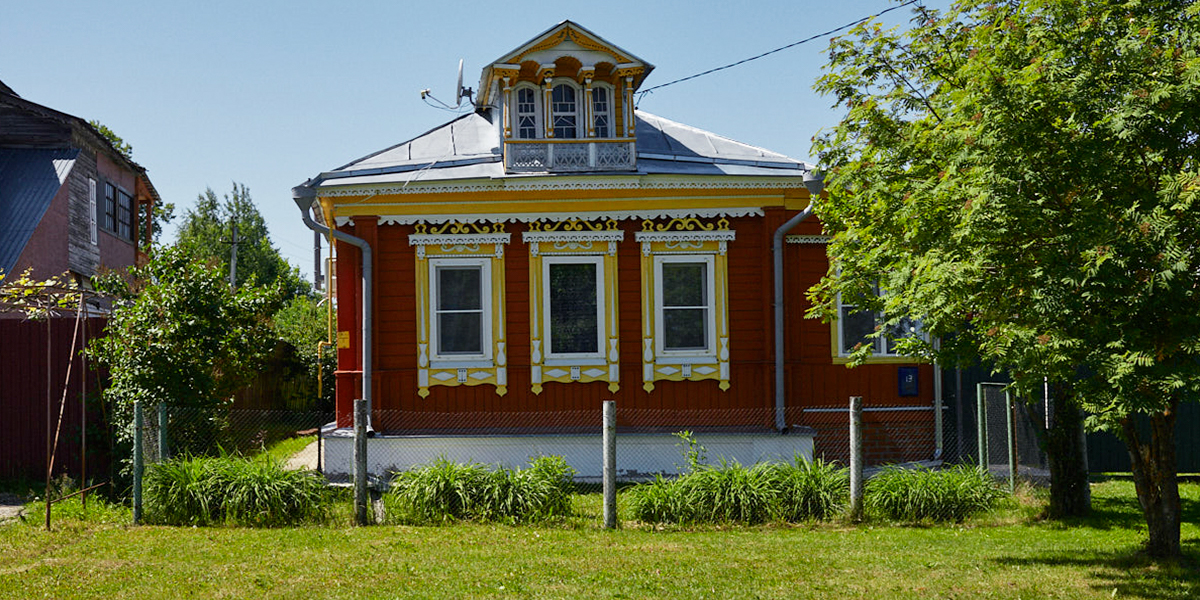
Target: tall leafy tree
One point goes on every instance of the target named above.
(207, 230)
(1022, 175)
(181, 335)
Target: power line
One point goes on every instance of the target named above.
(643, 93)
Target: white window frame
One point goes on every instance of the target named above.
(580, 113)
(485, 281)
(612, 123)
(880, 344)
(539, 128)
(92, 220)
(601, 326)
(710, 321)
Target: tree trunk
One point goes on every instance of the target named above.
(1155, 480)
(1070, 495)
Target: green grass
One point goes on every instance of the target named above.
(953, 494)
(1005, 553)
(445, 492)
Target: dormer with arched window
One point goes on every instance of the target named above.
(565, 102)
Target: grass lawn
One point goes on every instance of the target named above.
(1007, 554)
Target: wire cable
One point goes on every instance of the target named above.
(650, 90)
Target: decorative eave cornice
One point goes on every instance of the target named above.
(807, 239)
(556, 184)
(616, 215)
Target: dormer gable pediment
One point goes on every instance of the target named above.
(565, 50)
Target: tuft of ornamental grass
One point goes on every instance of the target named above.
(445, 492)
(811, 490)
(921, 494)
(254, 492)
(732, 493)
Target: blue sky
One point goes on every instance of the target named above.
(271, 93)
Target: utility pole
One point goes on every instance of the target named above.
(233, 244)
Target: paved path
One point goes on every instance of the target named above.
(304, 459)
(10, 507)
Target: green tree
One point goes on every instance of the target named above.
(303, 323)
(207, 230)
(1023, 177)
(181, 335)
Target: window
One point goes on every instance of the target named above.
(526, 113)
(110, 207)
(565, 110)
(124, 215)
(685, 302)
(601, 115)
(574, 317)
(573, 302)
(685, 321)
(857, 327)
(460, 307)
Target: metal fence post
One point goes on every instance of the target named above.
(137, 462)
(162, 431)
(360, 462)
(981, 425)
(610, 464)
(856, 459)
(1012, 444)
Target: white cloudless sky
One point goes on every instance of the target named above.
(270, 93)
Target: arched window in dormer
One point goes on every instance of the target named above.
(602, 111)
(565, 107)
(527, 113)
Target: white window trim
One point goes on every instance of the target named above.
(92, 220)
(539, 127)
(710, 324)
(601, 329)
(461, 360)
(612, 121)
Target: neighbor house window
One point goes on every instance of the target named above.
(110, 207)
(573, 302)
(685, 317)
(124, 215)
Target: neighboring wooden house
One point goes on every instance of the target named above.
(69, 201)
(556, 248)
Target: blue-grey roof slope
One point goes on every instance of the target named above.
(469, 148)
(29, 180)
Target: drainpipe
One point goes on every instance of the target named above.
(303, 195)
(814, 183)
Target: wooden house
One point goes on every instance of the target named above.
(556, 247)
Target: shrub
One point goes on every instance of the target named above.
(256, 492)
(811, 489)
(446, 491)
(922, 494)
(725, 493)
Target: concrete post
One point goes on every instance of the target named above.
(162, 432)
(137, 463)
(856, 459)
(360, 462)
(610, 464)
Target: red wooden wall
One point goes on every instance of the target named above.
(812, 378)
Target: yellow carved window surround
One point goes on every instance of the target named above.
(573, 302)
(685, 318)
(460, 305)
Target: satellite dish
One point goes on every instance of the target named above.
(458, 88)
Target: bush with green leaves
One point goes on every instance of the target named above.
(921, 494)
(445, 492)
(733, 493)
(256, 492)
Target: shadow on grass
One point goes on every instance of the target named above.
(1124, 513)
(1129, 571)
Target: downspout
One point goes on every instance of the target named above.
(814, 184)
(303, 195)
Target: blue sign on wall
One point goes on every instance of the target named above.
(908, 381)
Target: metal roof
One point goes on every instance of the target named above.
(469, 148)
(29, 180)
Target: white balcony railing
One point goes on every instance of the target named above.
(530, 156)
